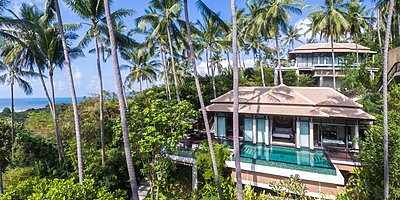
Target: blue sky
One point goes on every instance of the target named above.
(84, 69)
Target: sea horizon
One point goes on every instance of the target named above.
(25, 103)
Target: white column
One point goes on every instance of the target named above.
(297, 133)
(356, 136)
(254, 129)
(311, 136)
(321, 80)
(215, 125)
(270, 130)
(267, 137)
(194, 177)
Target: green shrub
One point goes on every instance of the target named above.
(67, 189)
(13, 176)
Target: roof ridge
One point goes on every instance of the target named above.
(307, 99)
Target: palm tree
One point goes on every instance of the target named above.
(358, 19)
(236, 144)
(93, 11)
(3, 5)
(164, 15)
(292, 35)
(330, 22)
(41, 50)
(141, 65)
(53, 5)
(122, 105)
(278, 14)
(209, 32)
(385, 105)
(201, 100)
(15, 75)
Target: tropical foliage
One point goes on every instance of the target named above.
(104, 146)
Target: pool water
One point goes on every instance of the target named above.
(300, 157)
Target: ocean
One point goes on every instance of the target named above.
(22, 104)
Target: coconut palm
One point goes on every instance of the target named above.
(330, 22)
(201, 100)
(142, 67)
(164, 15)
(122, 105)
(44, 50)
(236, 144)
(291, 36)
(210, 30)
(52, 5)
(12, 75)
(93, 11)
(359, 20)
(278, 14)
(385, 105)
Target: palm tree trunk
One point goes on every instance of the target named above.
(167, 91)
(333, 63)
(239, 60)
(12, 121)
(60, 146)
(358, 62)
(122, 106)
(229, 62)
(45, 91)
(202, 105)
(1, 179)
(278, 52)
(243, 61)
(207, 62)
(125, 97)
(173, 64)
(101, 119)
(236, 144)
(385, 104)
(378, 27)
(212, 73)
(140, 85)
(398, 21)
(260, 61)
(73, 94)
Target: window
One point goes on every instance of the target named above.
(315, 58)
(328, 58)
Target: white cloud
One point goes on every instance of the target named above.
(93, 83)
(202, 66)
(77, 77)
(16, 4)
(60, 85)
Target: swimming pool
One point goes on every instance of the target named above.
(286, 157)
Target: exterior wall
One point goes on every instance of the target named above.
(328, 82)
(263, 180)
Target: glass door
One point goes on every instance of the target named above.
(261, 130)
(248, 129)
(304, 134)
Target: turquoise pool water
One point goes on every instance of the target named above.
(285, 157)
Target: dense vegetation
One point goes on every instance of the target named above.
(104, 146)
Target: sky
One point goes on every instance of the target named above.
(85, 70)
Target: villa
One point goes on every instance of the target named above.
(316, 60)
(309, 131)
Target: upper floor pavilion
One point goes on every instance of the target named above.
(316, 59)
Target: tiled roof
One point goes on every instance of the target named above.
(326, 47)
(291, 101)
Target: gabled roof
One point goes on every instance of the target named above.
(291, 101)
(326, 48)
